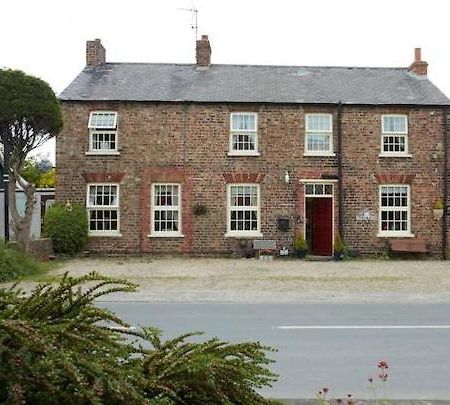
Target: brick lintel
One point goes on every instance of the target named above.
(243, 177)
(114, 177)
(390, 178)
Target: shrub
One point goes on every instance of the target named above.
(14, 263)
(339, 246)
(67, 226)
(300, 243)
(57, 347)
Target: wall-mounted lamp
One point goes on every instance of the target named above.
(286, 177)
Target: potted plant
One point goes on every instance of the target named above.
(438, 209)
(339, 247)
(300, 246)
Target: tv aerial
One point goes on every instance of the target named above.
(194, 24)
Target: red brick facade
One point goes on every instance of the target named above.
(188, 144)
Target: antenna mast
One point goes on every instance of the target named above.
(194, 26)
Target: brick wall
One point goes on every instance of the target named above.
(188, 144)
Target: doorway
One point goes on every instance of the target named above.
(319, 221)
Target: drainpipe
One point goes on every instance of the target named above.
(339, 168)
(445, 186)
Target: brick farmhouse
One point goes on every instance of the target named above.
(204, 158)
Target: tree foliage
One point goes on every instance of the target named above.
(30, 114)
(40, 173)
(67, 226)
(56, 347)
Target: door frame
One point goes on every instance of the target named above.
(320, 181)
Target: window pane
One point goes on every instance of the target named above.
(318, 142)
(103, 120)
(318, 122)
(393, 123)
(243, 122)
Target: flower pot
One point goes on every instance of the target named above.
(338, 256)
(301, 254)
(438, 212)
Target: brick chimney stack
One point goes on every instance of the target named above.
(203, 53)
(419, 67)
(95, 53)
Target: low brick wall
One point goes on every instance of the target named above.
(40, 249)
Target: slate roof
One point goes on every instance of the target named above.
(252, 84)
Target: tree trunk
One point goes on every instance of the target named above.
(21, 224)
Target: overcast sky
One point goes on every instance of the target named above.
(46, 38)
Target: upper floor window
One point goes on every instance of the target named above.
(395, 207)
(319, 134)
(243, 134)
(166, 210)
(394, 135)
(102, 132)
(102, 204)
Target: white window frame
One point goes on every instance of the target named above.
(401, 234)
(90, 207)
(244, 233)
(166, 234)
(238, 152)
(107, 130)
(385, 133)
(328, 152)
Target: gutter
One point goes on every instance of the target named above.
(339, 168)
(445, 187)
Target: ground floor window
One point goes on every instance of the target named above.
(243, 209)
(166, 210)
(395, 210)
(102, 204)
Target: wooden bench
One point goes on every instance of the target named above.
(264, 246)
(413, 245)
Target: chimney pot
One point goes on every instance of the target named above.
(419, 67)
(95, 53)
(418, 55)
(203, 52)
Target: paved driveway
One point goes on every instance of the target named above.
(290, 280)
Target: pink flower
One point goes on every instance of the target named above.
(382, 364)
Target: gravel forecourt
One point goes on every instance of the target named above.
(282, 280)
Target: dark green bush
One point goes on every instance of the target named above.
(67, 226)
(15, 263)
(57, 347)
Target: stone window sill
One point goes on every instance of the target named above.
(395, 235)
(112, 153)
(162, 235)
(395, 155)
(243, 235)
(105, 235)
(312, 154)
(234, 153)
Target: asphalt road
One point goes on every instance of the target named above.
(332, 345)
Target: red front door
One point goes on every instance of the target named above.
(321, 219)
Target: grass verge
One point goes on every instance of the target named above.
(16, 265)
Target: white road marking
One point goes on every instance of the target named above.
(363, 327)
(126, 328)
